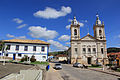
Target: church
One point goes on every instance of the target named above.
(88, 49)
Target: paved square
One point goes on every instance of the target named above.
(12, 68)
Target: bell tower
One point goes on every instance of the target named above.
(75, 29)
(75, 41)
(99, 32)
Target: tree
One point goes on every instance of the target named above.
(4, 49)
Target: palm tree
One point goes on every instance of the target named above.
(3, 49)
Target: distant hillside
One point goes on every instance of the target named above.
(113, 49)
(58, 52)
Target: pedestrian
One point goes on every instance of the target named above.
(47, 67)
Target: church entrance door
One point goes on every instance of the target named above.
(89, 60)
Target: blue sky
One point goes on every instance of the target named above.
(47, 19)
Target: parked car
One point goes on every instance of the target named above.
(58, 66)
(78, 65)
(85, 66)
(114, 67)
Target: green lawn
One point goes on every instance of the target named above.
(95, 67)
(37, 62)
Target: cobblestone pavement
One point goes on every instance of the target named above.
(12, 68)
(71, 73)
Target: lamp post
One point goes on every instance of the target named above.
(5, 52)
(16, 53)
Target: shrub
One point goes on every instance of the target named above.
(108, 64)
(33, 59)
(23, 59)
(95, 65)
(118, 69)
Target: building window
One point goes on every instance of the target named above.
(102, 50)
(75, 32)
(19, 55)
(89, 50)
(26, 48)
(44, 57)
(94, 50)
(17, 47)
(6, 54)
(75, 49)
(8, 47)
(84, 50)
(43, 48)
(100, 32)
(100, 37)
(34, 48)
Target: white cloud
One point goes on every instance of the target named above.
(64, 38)
(42, 32)
(21, 26)
(52, 13)
(20, 37)
(57, 45)
(86, 21)
(68, 27)
(67, 43)
(69, 20)
(119, 36)
(81, 24)
(17, 20)
(12, 36)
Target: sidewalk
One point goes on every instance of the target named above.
(52, 74)
(111, 72)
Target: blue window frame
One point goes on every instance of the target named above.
(17, 47)
(43, 48)
(26, 48)
(34, 48)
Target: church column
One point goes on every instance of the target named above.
(98, 52)
(79, 52)
(105, 50)
(105, 53)
(72, 52)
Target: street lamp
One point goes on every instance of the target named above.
(17, 54)
(5, 52)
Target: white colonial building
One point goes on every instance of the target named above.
(89, 49)
(17, 48)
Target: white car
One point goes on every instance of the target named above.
(78, 65)
(58, 66)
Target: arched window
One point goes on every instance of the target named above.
(100, 32)
(75, 32)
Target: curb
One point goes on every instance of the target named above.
(105, 72)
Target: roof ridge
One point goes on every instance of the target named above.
(26, 41)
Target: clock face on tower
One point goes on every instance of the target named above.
(75, 37)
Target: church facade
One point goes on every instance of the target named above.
(89, 49)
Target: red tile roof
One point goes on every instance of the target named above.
(118, 53)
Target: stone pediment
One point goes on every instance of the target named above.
(88, 37)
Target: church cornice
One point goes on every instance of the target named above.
(94, 26)
(89, 36)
